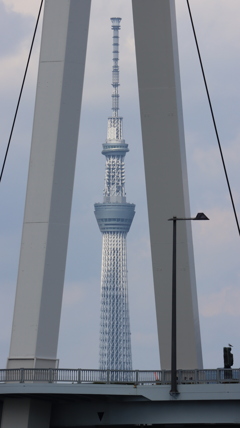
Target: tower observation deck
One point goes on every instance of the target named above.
(114, 217)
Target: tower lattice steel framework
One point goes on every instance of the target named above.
(114, 217)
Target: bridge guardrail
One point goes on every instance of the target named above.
(136, 377)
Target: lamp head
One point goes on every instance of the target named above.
(201, 216)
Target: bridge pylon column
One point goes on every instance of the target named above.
(26, 413)
(50, 185)
(166, 177)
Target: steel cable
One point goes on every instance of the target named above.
(21, 90)
(213, 118)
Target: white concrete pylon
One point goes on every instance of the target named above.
(166, 177)
(50, 184)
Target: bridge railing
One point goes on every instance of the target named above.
(136, 377)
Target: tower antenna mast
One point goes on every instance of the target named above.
(114, 217)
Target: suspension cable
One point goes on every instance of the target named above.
(213, 118)
(21, 90)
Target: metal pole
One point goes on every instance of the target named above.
(174, 389)
(199, 216)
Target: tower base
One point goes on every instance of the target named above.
(32, 363)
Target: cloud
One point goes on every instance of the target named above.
(222, 302)
(22, 7)
(12, 68)
(209, 17)
(216, 249)
(145, 339)
(219, 231)
(232, 153)
(74, 294)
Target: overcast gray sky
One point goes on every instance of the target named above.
(216, 243)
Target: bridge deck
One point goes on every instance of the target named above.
(84, 403)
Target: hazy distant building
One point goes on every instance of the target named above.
(114, 217)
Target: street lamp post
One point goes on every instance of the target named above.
(199, 216)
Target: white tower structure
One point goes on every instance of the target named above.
(114, 217)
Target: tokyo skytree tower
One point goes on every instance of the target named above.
(114, 217)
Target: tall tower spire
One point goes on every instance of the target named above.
(114, 217)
